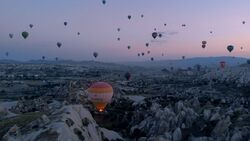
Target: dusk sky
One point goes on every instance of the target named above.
(98, 25)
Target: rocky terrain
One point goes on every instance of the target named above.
(155, 105)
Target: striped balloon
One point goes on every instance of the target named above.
(100, 93)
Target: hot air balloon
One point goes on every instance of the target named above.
(59, 44)
(203, 46)
(142, 54)
(211, 32)
(152, 59)
(43, 57)
(142, 15)
(165, 24)
(138, 54)
(118, 29)
(148, 52)
(129, 47)
(154, 29)
(243, 22)
(160, 35)
(95, 54)
(7, 54)
(204, 42)
(183, 57)
(127, 75)
(11, 35)
(31, 25)
(118, 39)
(103, 1)
(25, 34)
(162, 54)
(154, 34)
(65, 23)
(222, 64)
(100, 94)
(56, 58)
(183, 25)
(78, 33)
(241, 48)
(147, 44)
(129, 17)
(230, 48)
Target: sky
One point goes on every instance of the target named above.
(98, 25)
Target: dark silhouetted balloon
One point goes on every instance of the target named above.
(211, 32)
(183, 57)
(142, 15)
(129, 47)
(162, 54)
(154, 34)
(160, 35)
(203, 46)
(25, 34)
(127, 76)
(43, 57)
(241, 48)
(11, 35)
(138, 54)
(103, 1)
(65, 23)
(165, 24)
(129, 17)
(222, 64)
(118, 29)
(31, 25)
(95, 54)
(78, 33)
(243, 22)
(148, 52)
(59, 44)
(230, 48)
(183, 25)
(147, 44)
(142, 54)
(118, 39)
(204, 42)
(154, 29)
(152, 59)
(7, 54)
(56, 58)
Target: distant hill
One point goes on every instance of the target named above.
(204, 61)
(190, 62)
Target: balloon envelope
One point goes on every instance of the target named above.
(222, 64)
(59, 44)
(25, 34)
(95, 54)
(100, 94)
(230, 48)
(204, 42)
(127, 75)
(11, 35)
(154, 34)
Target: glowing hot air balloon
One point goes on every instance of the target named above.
(100, 94)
